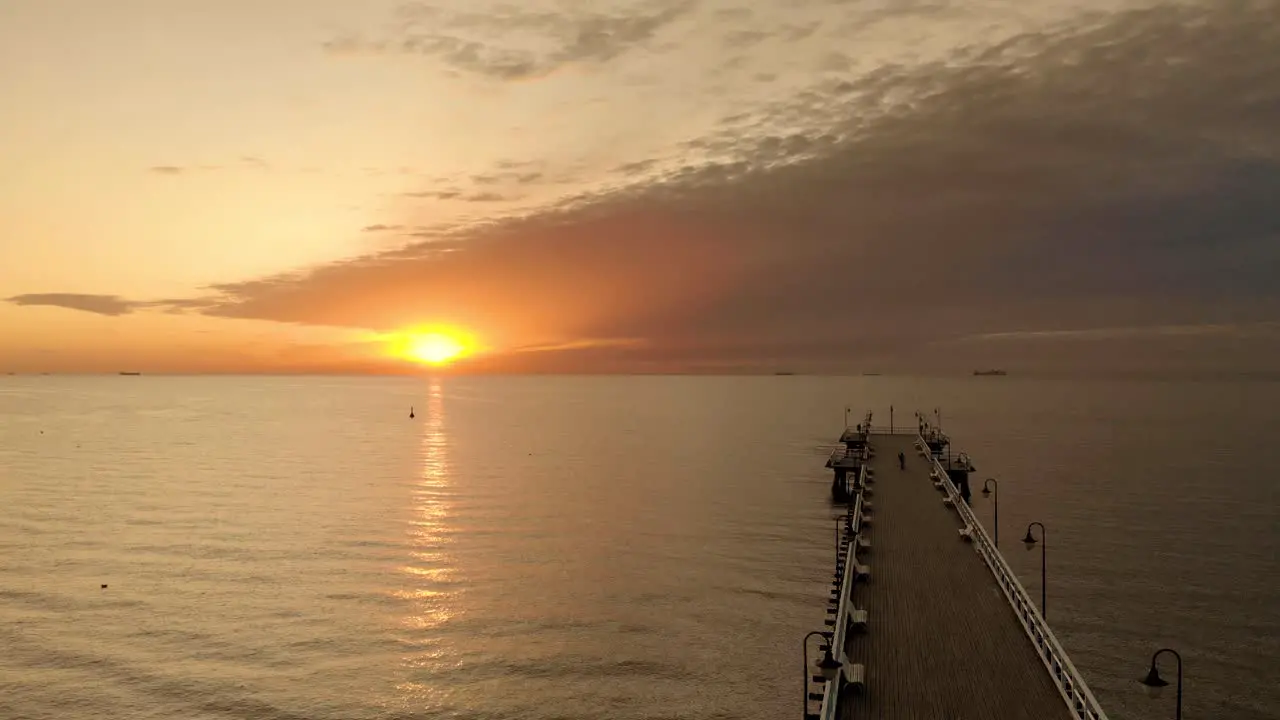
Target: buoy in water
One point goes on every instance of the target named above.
(410, 412)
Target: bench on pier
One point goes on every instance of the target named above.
(864, 543)
(858, 620)
(948, 501)
(966, 533)
(861, 572)
(855, 677)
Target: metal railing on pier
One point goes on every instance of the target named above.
(831, 691)
(1065, 676)
(842, 453)
(894, 430)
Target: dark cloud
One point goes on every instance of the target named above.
(97, 304)
(508, 178)
(489, 197)
(742, 39)
(1119, 172)
(246, 161)
(480, 42)
(110, 305)
(732, 14)
(458, 195)
(435, 194)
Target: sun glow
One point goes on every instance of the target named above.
(432, 346)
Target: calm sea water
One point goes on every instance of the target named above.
(653, 547)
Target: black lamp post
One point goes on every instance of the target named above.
(987, 492)
(829, 666)
(1154, 684)
(1044, 545)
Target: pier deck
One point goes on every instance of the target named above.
(941, 640)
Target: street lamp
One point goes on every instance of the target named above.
(1044, 544)
(986, 492)
(829, 666)
(1153, 684)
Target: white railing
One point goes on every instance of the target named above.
(831, 690)
(893, 430)
(1069, 681)
(842, 453)
(855, 429)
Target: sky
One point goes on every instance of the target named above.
(640, 185)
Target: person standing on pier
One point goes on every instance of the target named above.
(902, 461)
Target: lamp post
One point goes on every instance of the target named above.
(829, 666)
(1153, 684)
(988, 492)
(1044, 544)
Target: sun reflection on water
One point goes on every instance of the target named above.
(431, 570)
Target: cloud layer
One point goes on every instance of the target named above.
(1118, 170)
(97, 304)
(511, 42)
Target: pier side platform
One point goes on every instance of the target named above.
(940, 639)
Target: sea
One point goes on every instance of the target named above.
(651, 547)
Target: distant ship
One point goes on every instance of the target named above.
(989, 372)
(122, 372)
(784, 373)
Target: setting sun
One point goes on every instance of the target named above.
(431, 345)
(435, 348)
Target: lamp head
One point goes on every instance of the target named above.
(829, 666)
(1153, 684)
(986, 492)
(1029, 541)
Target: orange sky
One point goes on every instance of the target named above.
(647, 185)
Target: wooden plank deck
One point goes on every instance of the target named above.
(941, 642)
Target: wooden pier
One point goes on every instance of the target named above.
(929, 621)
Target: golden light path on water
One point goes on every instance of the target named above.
(432, 566)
